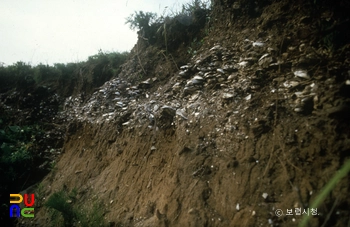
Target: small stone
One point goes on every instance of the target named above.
(192, 211)
(168, 110)
(155, 108)
(190, 89)
(264, 195)
(231, 77)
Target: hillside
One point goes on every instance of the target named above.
(219, 122)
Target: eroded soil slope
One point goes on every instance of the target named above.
(257, 120)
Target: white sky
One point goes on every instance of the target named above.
(61, 31)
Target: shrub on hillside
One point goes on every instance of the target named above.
(170, 31)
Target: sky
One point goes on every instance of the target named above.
(62, 31)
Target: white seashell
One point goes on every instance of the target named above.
(126, 123)
(298, 109)
(227, 96)
(301, 73)
(258, 44)
(181, 113)
(220, 71)
(264, 56)
(184, 67)
(243, 63)
(231, 77)
(299, 94)
(182, 73)
(313, 87)
(248, 97)
(289, 84)
(198, 78)
(215, 47)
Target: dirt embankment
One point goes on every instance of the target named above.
(257, 120)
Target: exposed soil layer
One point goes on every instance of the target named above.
(256, 120)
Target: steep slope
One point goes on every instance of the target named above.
(255, 122)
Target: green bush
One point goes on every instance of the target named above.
(59, 203)
(65, 77)
(17, 151)
(65, 212)
(19, 75)
(170, 31)
(37, 92)
(140, 20)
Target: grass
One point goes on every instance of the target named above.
(65, 211)
(58, 203)
(326, 190)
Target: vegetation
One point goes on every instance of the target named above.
(18, 150)
(18, 155)
(140, 20)
(343, 172)
(195, 45)
(19, 140)
(169, 31)
(30, 97)
(65, 212)
(101, 66)
(59, 203)
(39, 194)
